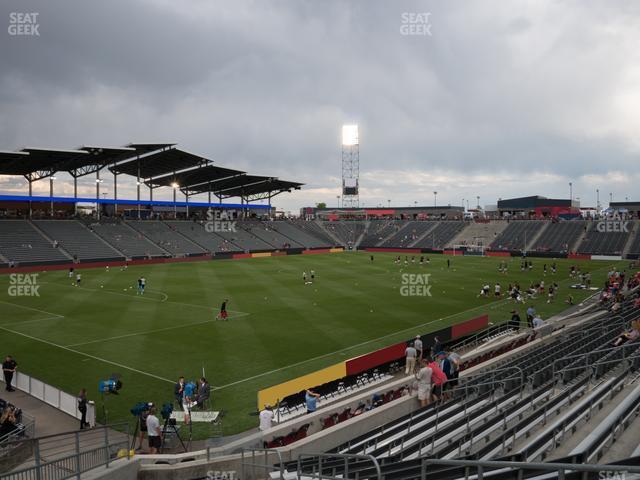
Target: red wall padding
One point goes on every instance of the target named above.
(470, 326)
(498, 254)
(373, 359)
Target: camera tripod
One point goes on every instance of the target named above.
(169, 424)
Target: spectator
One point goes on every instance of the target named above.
(438, 379)
(417, 344)
(154, 431)
(515, 320)
(537, 322)
(9, 368)
(410, 354)
(531, 313)
(82, 408)
(454, 359)
(628, 336)
(424, 383)
(8, 421)
(178, 390)
(311, 399)
(204, 392)
(266, 418)
(436, 347)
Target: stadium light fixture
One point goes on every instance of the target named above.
(174, 185)
(350, 135)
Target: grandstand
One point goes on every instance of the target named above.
(77, 240)
(379, 230)
(168, 238)
(602, 243)
(347, 233)
(125, 239)
(410, 234)
(21, 242)
(518, 235)
(441, 235)
(559, 237)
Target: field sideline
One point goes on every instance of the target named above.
(73, 337)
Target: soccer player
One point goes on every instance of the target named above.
(142, 282)
(223, 311)
(371, 258)
(313, 276)
(304, 277)
(71, 272)
(78, 279)
(497, 290)
(421, 260)
(448, 263)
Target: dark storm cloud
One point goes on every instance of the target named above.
(505, 89)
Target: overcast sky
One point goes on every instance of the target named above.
(502, 98)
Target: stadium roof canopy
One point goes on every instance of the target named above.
(38, 163)
(196, 176)
(160, 163)
(251, 187)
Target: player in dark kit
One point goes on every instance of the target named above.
(223, 311)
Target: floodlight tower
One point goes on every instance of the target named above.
(350, 166)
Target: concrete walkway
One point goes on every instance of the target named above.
(49, 420)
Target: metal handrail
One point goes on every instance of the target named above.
(345, 456)
(586, 355)
(561, 468)
(262, 466)
(63, 459)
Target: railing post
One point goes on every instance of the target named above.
(77, 438)
(36, 453)
(106, 444)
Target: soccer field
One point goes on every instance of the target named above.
(279, 328)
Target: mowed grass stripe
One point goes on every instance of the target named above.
(285, 336)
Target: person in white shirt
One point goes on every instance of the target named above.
(538, 322)
(424, 383)
(266, 417)
(417, 344)
(410, 354)
(153, 431)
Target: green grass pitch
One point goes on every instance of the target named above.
(279, 328)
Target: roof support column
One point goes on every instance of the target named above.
(51, 179)
(115, 193)
(138, 185)
(186, 197)
(175, 207)
(30, 194)
(98, 181)
(75, 192)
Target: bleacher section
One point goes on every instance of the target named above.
(126, 240)
(517, 235)
(244, 239)
(294, 232)
(22, 244)
(315, 229)
(347, 232)
(521, 409)
(634, 248)
(166, 237)
(267, 233)
(441, 235)
(379, 230)
(209, 241)
(409, 234)
(602, 243)
(77, 240)
(559, 237)
(479, 233)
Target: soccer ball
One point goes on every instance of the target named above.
(101, 286)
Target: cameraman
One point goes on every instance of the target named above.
(142, 418)
(154, 431)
